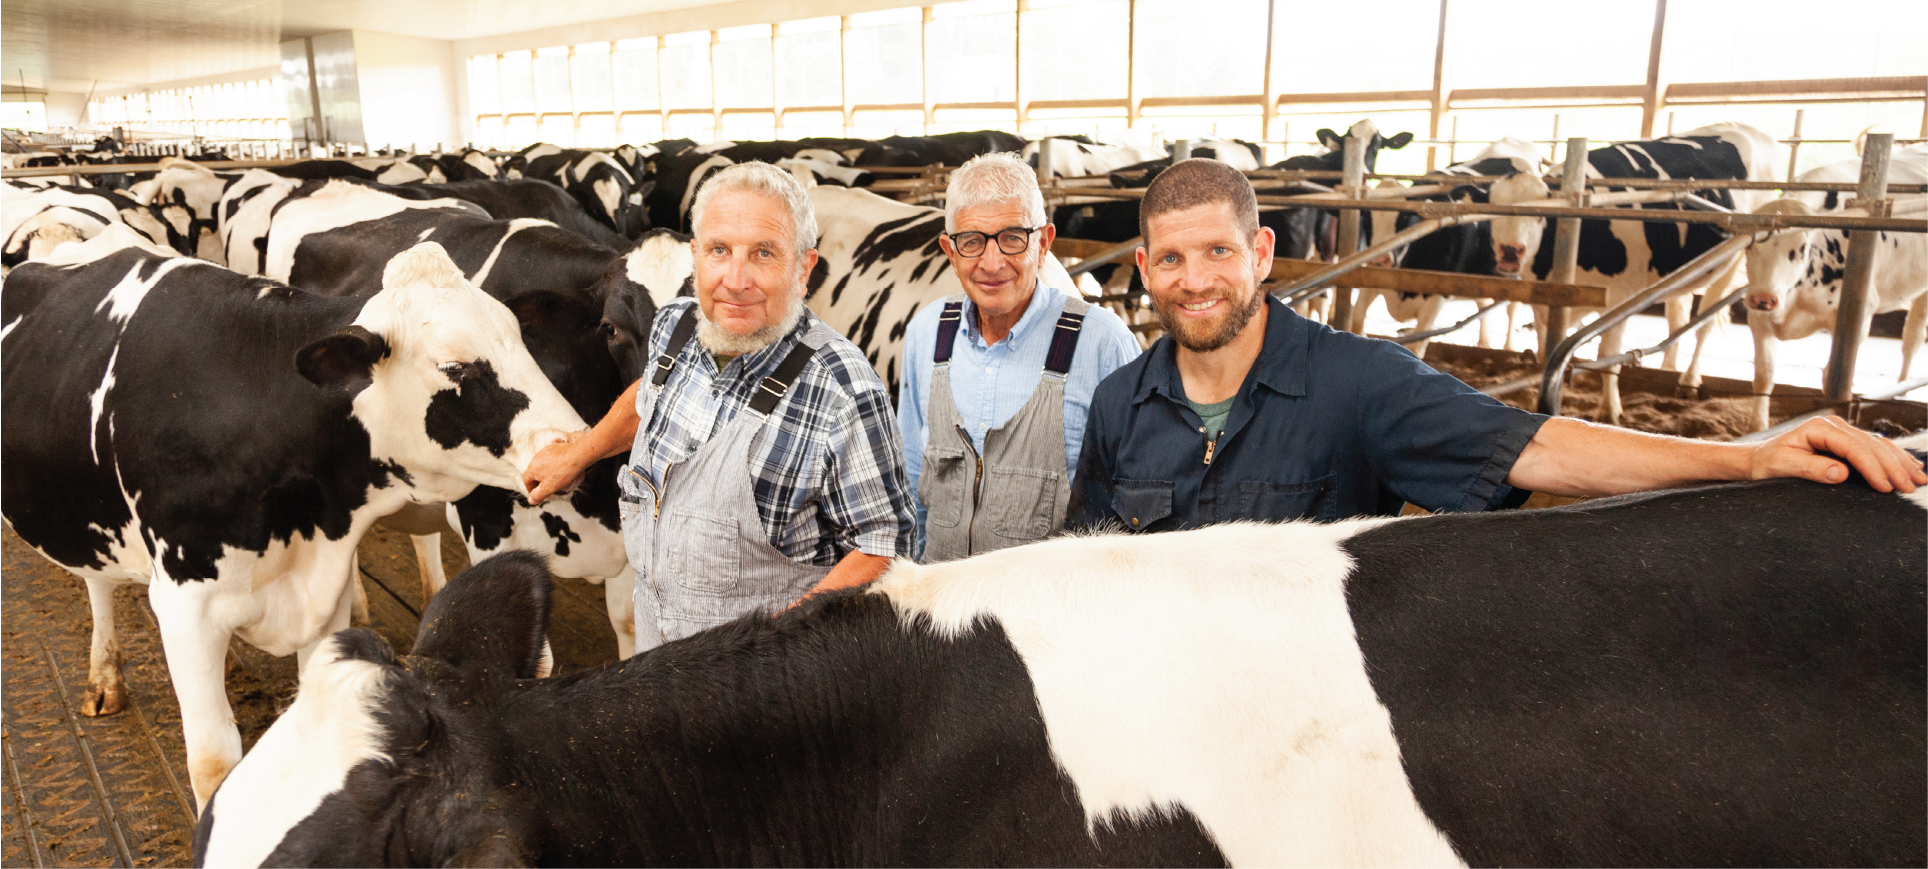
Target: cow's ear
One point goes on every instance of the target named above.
(1331, 140)
(490, 623)
(344, 361)
(1398, 141)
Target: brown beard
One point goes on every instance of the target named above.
(1234, 323)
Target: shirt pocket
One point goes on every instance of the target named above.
(946, 478)
(1021, 503)
(703, 551)
(1139, 503)
(1263, 501)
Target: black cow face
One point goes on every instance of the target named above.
(394, 762)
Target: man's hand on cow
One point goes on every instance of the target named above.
(1817, 449)
(555, 468)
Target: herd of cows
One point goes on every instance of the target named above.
(1413, 691)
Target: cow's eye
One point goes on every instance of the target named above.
(457, 371)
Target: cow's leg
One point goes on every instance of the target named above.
(1679, 309)
(196, 645)
(1690, 381)
(428, 561)
(337, 620)
(1539, 331)
(1610, 378)
(1764, 342)
(358, 611)
(619, 594)
(1913, 330)
(1429, 309)
(106, 693)
(1358, 324)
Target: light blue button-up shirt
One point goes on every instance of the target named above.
(991, 383)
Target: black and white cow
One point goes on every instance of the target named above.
(1379, 692)
(561, 287)
(227, 440)
(878, 263)
(1079, 157)
(1461, 249)
(950, 149)
(539, 200)
(603, 184)
(1625, 256)
(1795, 276)
(34, 222)
(677, 178)
(188, 196)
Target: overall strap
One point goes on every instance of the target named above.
(947, 323)
(678, 338)
(1064, 338)
(773, 387)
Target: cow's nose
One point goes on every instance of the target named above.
(1512, 252)
(1763, 302)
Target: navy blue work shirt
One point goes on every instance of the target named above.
(1328, 425)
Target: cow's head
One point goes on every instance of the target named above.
(395, 762)
(1777, 260)
(441, 379)
(1516, 240)
(1366, 131)
(659, 268)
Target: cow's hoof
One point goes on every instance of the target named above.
(97, 702)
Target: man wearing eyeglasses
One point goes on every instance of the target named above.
(998, 381)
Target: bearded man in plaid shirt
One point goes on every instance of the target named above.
(764, 460)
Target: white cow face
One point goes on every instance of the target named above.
(1516, 239)
(1776, 260)
(441, 380)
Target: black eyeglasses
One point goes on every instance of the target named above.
(1012, 240)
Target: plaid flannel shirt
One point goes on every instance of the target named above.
(829, 472)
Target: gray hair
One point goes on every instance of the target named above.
(996, 178)
(766, 180)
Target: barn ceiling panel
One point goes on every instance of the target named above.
(78, 45)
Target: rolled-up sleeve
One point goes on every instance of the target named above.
(866, 495)
(1436, 441)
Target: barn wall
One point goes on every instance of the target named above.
(407, 91)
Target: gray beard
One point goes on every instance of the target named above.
(715, 340)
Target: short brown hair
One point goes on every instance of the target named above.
(1196, 182)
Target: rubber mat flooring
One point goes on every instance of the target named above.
(113, 791)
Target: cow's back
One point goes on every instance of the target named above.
(1738, 679)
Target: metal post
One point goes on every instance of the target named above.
(1566, 236)
(1181, 150)
(1851, 321)
(1353, 187)
(1794, 144)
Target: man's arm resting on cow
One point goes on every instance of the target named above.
(1580, 459)
(857, 568)
(560, 465)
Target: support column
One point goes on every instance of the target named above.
(1851, 321)
(1353, 186)
(1566, 237)
(1650, 96)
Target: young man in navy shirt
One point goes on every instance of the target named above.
(1245, 410)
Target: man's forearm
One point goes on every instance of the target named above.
(1580, 459)
(1570, 457)
(855, 569)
